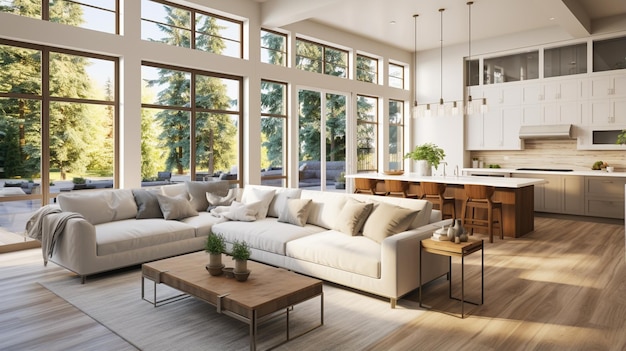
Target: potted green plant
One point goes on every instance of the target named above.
(427, 155)
(215, 247)
(340, 181)
(241, 254)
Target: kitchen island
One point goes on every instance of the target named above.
(516, 195)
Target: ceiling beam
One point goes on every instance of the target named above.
(278, 13)
(569, 15)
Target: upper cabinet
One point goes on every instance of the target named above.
(511, 68)
(565, 60)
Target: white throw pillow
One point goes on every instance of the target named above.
(243, 212)
(217, 200)
(251, 195)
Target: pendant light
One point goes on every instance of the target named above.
(441, 107)
(415, 107)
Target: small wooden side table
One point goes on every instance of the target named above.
(450, 249)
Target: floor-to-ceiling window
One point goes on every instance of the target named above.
(191, 124)
(273, 133)
(322, 138)
(396, 135)
(366, 134)
(58, 117)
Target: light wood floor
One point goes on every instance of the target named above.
(561, 287)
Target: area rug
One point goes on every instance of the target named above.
(352, 320)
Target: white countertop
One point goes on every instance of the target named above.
(498, 182)
(588, 173)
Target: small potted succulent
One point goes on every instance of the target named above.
(215, 247)
(241, 254)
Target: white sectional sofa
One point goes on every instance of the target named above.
(369, 243)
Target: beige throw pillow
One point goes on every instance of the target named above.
(387, 220)
(352, 216)
(296, 211)
(217, 200)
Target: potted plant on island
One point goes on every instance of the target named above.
(427, 155)
(621, 138)
(215, 247)
(241, 254)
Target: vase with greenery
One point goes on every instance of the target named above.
(215, 247)
(241, 254)
(428, 155)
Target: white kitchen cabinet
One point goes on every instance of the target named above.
(571, 112)
(608, 111)
(608, 85)
(474, 131)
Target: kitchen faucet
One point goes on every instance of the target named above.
(444, 167)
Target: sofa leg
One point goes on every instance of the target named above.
(393, 302)
(83, 278)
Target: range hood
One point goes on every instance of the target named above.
(551, 131)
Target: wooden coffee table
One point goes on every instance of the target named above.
(267, 292)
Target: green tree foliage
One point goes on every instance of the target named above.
(28, 8)
(335, 127)
(216, 135)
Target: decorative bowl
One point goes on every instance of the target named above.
(242, 276)
(215, 270)
(394, 172)
(229, 272)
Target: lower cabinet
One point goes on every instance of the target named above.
(560, 194)
(604, 196)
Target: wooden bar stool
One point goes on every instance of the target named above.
(400, 188)
(367, 186)
(479, 197)
(433, 192)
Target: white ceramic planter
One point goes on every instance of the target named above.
(423, 168)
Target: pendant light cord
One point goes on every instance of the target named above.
(415, 53)
(469, 54)
(441, 58)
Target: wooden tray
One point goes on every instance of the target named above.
(394, 172)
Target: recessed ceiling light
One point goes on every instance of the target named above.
(552, 18)
(392, 22)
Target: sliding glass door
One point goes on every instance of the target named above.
(322, 139)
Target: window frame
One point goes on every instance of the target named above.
(401, 129)
(285, 175)
(324, 60)
(285, 53)
(375, 123)
(193, 30)
(375, 62)
(401, 79)
(194, 110)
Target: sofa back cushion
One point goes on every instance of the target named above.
(280, 200)
(100, 206)
(387, 220)
(174, 189)
(325, 207)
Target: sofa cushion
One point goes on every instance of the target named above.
(296, 211)
(423, 206)
(264, 234)
(215, 200)
(325, 207)
(100, 206)
(177, 207)
(265, 196)
(243, 212)
(352, 216)
(131, 234)
(386, 220)
(197, 192)
(280, 199)
(203, 223)
(147, 204)
(356, 254)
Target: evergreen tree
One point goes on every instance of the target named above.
(28, 8)
(216, 135)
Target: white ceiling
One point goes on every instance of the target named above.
(490, 18)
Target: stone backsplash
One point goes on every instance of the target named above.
(552, 154)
